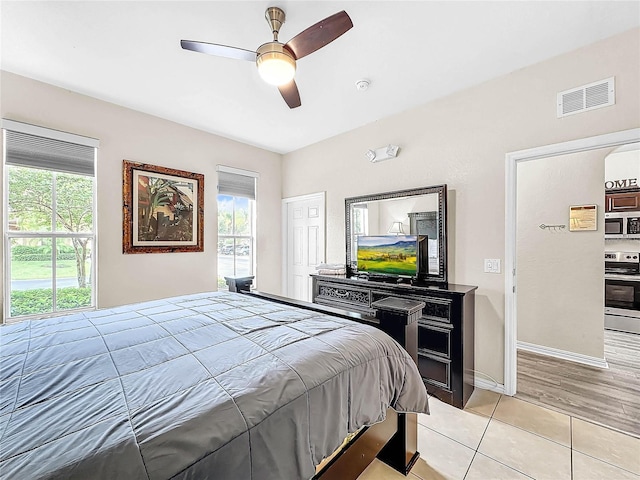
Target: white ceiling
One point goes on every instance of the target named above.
(413, 52)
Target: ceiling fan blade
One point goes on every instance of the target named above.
(289, 92)
(320, 34)
(219, 50)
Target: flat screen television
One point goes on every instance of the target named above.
(393, 255)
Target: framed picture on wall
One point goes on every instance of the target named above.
(163, 209)
(583, 218)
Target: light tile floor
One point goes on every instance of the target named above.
(501, 437)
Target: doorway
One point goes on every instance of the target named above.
(303, 220)
(622, 235)
(514, 159)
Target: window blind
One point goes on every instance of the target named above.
(236, 185)
(26, 150)
(29, 145)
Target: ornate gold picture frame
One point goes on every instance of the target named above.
(163, 209)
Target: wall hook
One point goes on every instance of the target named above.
(553, 228)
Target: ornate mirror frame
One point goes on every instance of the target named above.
(440, 190)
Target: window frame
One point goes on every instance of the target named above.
(251, 237)
(235, 188)
(54, 234)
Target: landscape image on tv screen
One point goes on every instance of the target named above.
(388, 254)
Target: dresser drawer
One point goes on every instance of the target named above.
(344, 296)
(437, 309)
(434, 370)
(434, 340)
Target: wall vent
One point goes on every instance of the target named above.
(588, 97)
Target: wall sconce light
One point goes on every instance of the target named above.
(396, 227)
(371, 155)
(382, 153)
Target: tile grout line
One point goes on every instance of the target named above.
(538, 434)
(561, 411)
(481, 437)
(608, 462)
(477, 452)
(571, 448)
(472, 459)
(533, 433)
(510, 467)
(602, 425)
(571, 444)
(496, 406)
(501, 463)
(447, 437)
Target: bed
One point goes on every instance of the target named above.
(215, 385)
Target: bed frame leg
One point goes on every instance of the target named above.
(401, 451)
(399, 319)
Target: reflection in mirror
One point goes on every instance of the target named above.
(419, 211)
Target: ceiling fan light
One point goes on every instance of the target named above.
(275, 65)
(276, 68)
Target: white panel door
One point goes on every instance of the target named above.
(304, 243)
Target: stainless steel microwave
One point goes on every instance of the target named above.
(622, 225)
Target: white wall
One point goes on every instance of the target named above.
(131, 135)
(622, 245)
(461, 141)
(561, 273)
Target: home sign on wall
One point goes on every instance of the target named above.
(619, 184)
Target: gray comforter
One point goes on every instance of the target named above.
(206, 386)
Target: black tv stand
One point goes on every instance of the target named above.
(445, 326)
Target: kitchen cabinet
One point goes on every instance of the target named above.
(622, 202)
(445, 327)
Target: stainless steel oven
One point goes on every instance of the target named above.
(622, 291)
(622, 225)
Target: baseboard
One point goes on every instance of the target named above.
(488, 385)
(563, 355)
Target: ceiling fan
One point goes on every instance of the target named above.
(276, 61)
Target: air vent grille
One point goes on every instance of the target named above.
(573, 102)
(597, 95)
(585, 98)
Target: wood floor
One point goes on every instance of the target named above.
(610, 396)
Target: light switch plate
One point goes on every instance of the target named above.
(492, 265)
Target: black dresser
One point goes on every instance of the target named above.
(445, 328)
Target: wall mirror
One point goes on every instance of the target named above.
(418, 211)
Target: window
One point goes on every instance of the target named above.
(359, 225)
(49, 231)
(360, 219)
(236, 223)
